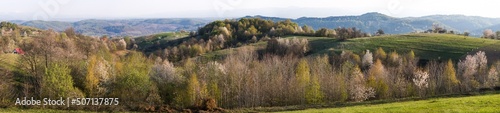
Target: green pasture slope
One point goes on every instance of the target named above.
(425, 46)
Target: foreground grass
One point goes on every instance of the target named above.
(479, 103)
(482, 103)
(17, 110)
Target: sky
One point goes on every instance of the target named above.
(128, 9)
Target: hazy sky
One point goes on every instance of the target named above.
(119, 9)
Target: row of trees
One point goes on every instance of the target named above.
(243, 80)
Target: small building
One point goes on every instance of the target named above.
(18, 51)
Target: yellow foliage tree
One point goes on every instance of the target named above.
(451, 80)
(302, 76)
(314, 95)
(376, 80)
(193, 86)
(380, 54)
(91, 81)
(411, 55)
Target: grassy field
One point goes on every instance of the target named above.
(160, 38)
(482, 103)
(425, 46)
(17, 110)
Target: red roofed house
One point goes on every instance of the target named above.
(18, 51)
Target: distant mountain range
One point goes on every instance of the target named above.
(126, 27)
(369, 22)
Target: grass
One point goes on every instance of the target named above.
(160, 38)
(482, 103)
(487, 102)
(18, 110)
(425, 46)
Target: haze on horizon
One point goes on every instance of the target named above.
(126, 9)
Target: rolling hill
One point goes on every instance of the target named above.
(425, 46)
(370, 22)
(126, 27)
